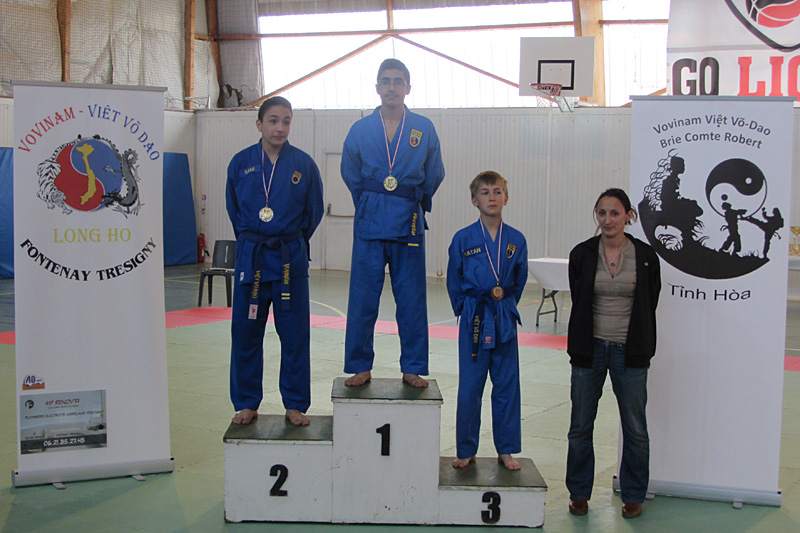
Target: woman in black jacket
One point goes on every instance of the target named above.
(614, 281)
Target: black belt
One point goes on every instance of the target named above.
(413, 193)
(271, 242)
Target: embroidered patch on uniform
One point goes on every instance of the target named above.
(241, 276)
(247, 171)
(510, 251)
(472, 251)
(416, 137)
(296, 177)
(253, 312)
(487, 339)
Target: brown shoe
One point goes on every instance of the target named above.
(579, 507)
(631, 510)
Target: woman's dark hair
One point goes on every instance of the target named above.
(270, 102)
(622, 196)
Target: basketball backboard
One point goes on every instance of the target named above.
(568, 61)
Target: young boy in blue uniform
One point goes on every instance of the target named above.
(274, 200)
(486, 274)
(392, 165)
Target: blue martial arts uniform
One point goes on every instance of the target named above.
(272, 266)
(389, 228)
(487, 335)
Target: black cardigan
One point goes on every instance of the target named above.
(640, 345)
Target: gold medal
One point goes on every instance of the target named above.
(266, 214)
(498, 293)
(390, 183)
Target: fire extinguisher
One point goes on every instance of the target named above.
(201, 248)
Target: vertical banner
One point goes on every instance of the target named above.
(712, 179)
(91, 374)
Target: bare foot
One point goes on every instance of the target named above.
(359, 379)
(415, 381)
(296, 418)
(509, 462)
(245, 416)
(463, 463)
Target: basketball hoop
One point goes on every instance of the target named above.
(548, 94)
(547, 89)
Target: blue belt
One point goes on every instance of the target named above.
(413, 193)
(479, 324)
(271, 242)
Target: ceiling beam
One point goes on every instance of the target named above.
(390, 33)
(213, 34)
(188, 53)
(587, 16)
(64, 16)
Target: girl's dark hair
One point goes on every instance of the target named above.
(622, 196)
(270, 102)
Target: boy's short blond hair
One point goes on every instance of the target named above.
(487, 177)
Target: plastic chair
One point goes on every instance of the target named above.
(222, 264)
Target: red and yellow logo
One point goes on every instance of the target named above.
(415, 139)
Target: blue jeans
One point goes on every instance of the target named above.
(630, 387)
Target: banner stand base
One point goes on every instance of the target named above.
(737, 496)
(64, 475)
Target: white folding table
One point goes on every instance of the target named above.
(551, 273)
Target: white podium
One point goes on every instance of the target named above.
(275, 471)
(485, 493)
(376, 461)
(386, 452)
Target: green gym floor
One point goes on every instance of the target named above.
(191, 498)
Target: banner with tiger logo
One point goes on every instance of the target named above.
(89, 284)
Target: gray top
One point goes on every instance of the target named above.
(613, 297)
(387, 390)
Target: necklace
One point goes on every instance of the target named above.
(266, 214)
(616, 259)
(390, 182)
(497, 292)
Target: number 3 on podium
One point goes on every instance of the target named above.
(492, 513)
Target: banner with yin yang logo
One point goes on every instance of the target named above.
(711, 180)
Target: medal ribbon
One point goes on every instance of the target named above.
(390, 159)
(488, 255)
(271, 174)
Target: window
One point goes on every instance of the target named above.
(438, 82)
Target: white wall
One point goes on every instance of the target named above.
(553, 178)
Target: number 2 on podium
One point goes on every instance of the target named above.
(384, 431)
(282, 472)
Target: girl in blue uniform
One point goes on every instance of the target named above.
(486, 274)
(274, 200)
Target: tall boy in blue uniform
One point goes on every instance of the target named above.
(274, 200)
(486, 274)
(392, 165)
